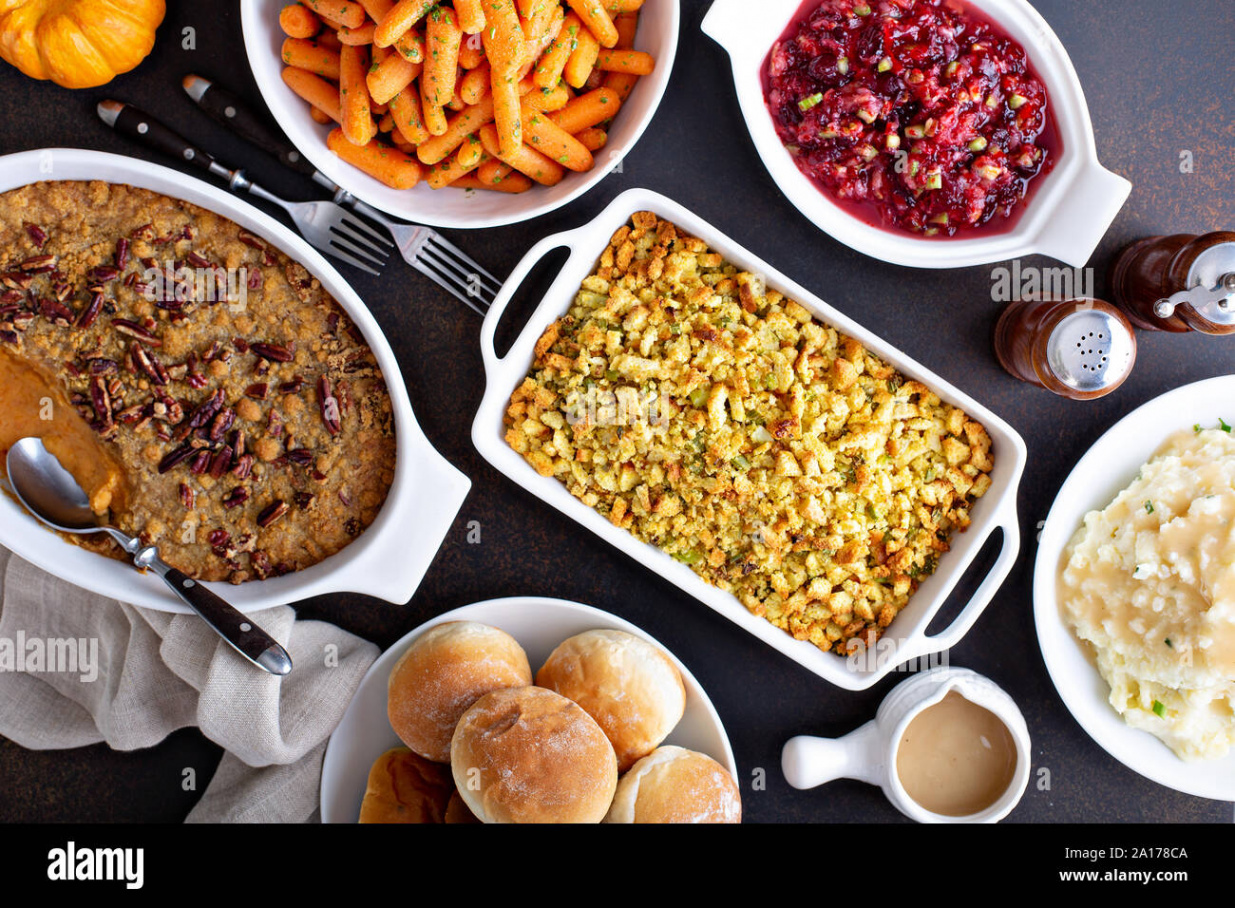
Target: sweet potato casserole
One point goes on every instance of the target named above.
(714, 418)
(249, 419)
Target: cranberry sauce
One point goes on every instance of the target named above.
(920, 114)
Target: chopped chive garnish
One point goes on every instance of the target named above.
(1159, 709)
(1149, 507)
(1168, 642)
(1223, 426)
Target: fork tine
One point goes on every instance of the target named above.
(463, 257)
(468, 282)
(360, 226)
(426, 269)
(350, 259)
(358, 244)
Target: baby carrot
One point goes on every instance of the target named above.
(471, 16)
(299, 22)
(391, 76)
(402, 16)
(593, 138)
(344, 12)
(362, 35)
(442, 39)
(405, 108)
(379, 161)
(305, 54)
(358, 124)
(587, 110)
(377, 9)
(631, 62)
(581, 62)
(549, 70)
(316, 90)
(460, 127)
(525, 160)
(551, 140)
(514, 182)
(598, 22)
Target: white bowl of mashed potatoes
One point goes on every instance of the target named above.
(1134, 590)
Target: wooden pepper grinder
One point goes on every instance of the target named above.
(1078, 348)
(1178, 283)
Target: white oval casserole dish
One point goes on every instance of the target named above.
(1068, 212)
(907, 636)
(387, 560)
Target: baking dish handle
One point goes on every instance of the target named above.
(488, 328)
(1083, 215)
(985, 592)
(727, 22)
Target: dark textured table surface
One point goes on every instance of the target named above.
(1159, 83)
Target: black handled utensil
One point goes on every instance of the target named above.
(324, 224)
(423, 248)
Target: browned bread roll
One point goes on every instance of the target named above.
(675, 785)
(631, 688)
(529, 755)
(406, 788)
(445, 670)
(457, 812)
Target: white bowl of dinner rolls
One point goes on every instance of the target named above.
(529, 710)
(468, 202)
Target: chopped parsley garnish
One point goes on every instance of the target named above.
(1223, 426)
(1149, 507)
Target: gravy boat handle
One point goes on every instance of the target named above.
(808, 762)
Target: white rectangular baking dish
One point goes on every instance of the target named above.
(387, 560)
(906, 638)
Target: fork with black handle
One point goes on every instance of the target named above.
(324, 224)
(423, 248)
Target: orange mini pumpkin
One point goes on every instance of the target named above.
(78, 43)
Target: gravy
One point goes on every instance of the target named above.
(956, 758)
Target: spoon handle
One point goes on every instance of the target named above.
(245, 637)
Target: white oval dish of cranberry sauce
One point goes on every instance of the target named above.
(968, 203)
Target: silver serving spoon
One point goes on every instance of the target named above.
(52, 495)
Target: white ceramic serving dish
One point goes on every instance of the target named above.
(869, 754)
(387, 560)
(539, 624)
(1105, 470)
(907, 638)
(1070, 208)
(263, 40)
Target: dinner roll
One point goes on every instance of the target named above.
(529, 755)
(675, 785)
(631, 688)
(445, 670)
(406, 788)
(457, 812)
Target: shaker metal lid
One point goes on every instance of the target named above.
(1210, 287)
(1091, 349)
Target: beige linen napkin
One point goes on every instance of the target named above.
(152, 673)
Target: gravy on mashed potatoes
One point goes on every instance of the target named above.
(1149, 583)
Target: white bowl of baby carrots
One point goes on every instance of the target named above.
(463, 113)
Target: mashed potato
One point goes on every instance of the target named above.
(1149, 583)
